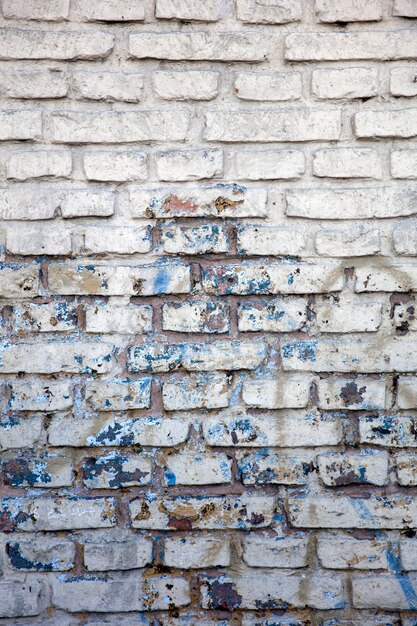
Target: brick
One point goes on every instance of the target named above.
(375, 124)
(118, 166)
(199, 46)
(194, 357)
(87, 203)
(262, 467)
(291, 430)
(38, 241)
(351, 241)
(112, 240)
(348, 318)
(363, 203)
(189, 164)
(272, 125)
(109, 86)
(402, 81)
(50, 358)
(18, 599)
(39, 163)
(347, 84)
(128, 320)
(29, 203)
(197, 552)
(186, 84)
(349, 11)
(275, 12)
(29, 85)
(196, 317)
(404, 8)
(118, 555)
(278, 315)
(344, 552)
(269, 164)
(41, 554)
(275, 278)
(405, 239)
(20, 432)
(406, 469)
(20, 125)
(42, 10)
(205, 239)
(196, 392)
(197, 469)
(52, 317)
(272, 87)
(359, 394)
(407, 393)
(365, 467)
(111, 10)
(208, 11)
(395, 277)
(360, 355)
(277, 393)
(394, 431)
(270, 240)
(116, 126)
(60, 513)
(347, 163)
(54, 45)
(116, 470)
(119, 395)
(139, 280)
(19, 281)
(273, 590)
(375, 512)
(48, 469)
(408, 553)
(403, 318)
(353, 46)
(222, 200)
(41, 395)
(203, 512)
(275, 551)
(289, 619)
(384, 592)
(404, 163)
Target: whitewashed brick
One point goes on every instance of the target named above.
(110, 86)
(52, 317)
(110, 10)
(272, 125)
(118, 555)
(269, 164)
(20, 432)
(402, 123)
(19, 281)
(189, 164)
(116, 470)
(198, 240)
(348, 318)
(326, 46)
(353, 241)
(29, 203)
(262, 467)
(129, 320)
(395, 431)
(274, 12)
(197, 469)
(277, 86)
(365, 467)
(42, 10)
(207, 392)
(55, 45)
(270, 240)
(49, 469)
(346, 83)
(405, 239)
(117, 240)
(42, 554)
(349, 11)
(40, 395)
(115, 165)
(404, 163)
(408, 553)
(406, 468)
(207, 11)
(19, 125)
(403, 81)
(269, 393)
(18, 599)
(38, 163)
(344, 552)
(34, 241)
(407, 392)
(383, 592)
(404, 8)
(196, 317)
(28, 84)
(119, 395)
(347, 163)
(362, 393)
(197, 552)
(272, 315)
(264, 551)
(186, 84)
(87, 203)
(395, 277)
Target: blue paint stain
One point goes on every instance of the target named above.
(402, 578)
(170, 478)
(304, 350)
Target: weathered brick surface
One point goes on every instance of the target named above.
(208, 277)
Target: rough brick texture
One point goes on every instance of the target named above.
(208, 292)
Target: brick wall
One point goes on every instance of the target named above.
(208, 265)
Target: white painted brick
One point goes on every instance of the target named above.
(27, 84)
(55, 45)
(272, 315)
(199, 46)
(116, 470)
(115, 165)
(42, 554)
(405, 8)
(273, 12)
(197, 552)
(117, 240)
(405, 239)
(365, 467)
(19, 432)
(110, 10)
(349, 11)
(189, 164)
(269, 393)
(87, 203)
(347, 163)
(277, 86)
(28, 203)
(49, 469)
(52, 317)
(110, 86)
(42, 10)
(269, 240)
(348, 318)
(196, 317)
(383, 592)
(395, 431)
(19, 599)
(269, 164)
(351, 241)
(407, 392)
(327, 46)
(38, 163)
(261, 468)
(362, 393)
(272, 125)
(344, 552)
(119, 395)
(264, 551)
(346, 83)
(118, 555)
(404, 163)
(23, 124)
(186, 84)
(205, 239)
(41, 395)
(34, 241)
(197, 469)
(408, 553)
(207, 392)
(19, 281)
(406, 469)
(202, 11)
(401, 123)
(403, 81)
(129, 320)
(395, 277)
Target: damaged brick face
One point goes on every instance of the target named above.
(208, 277)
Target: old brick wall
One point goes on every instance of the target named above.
(209, 354)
